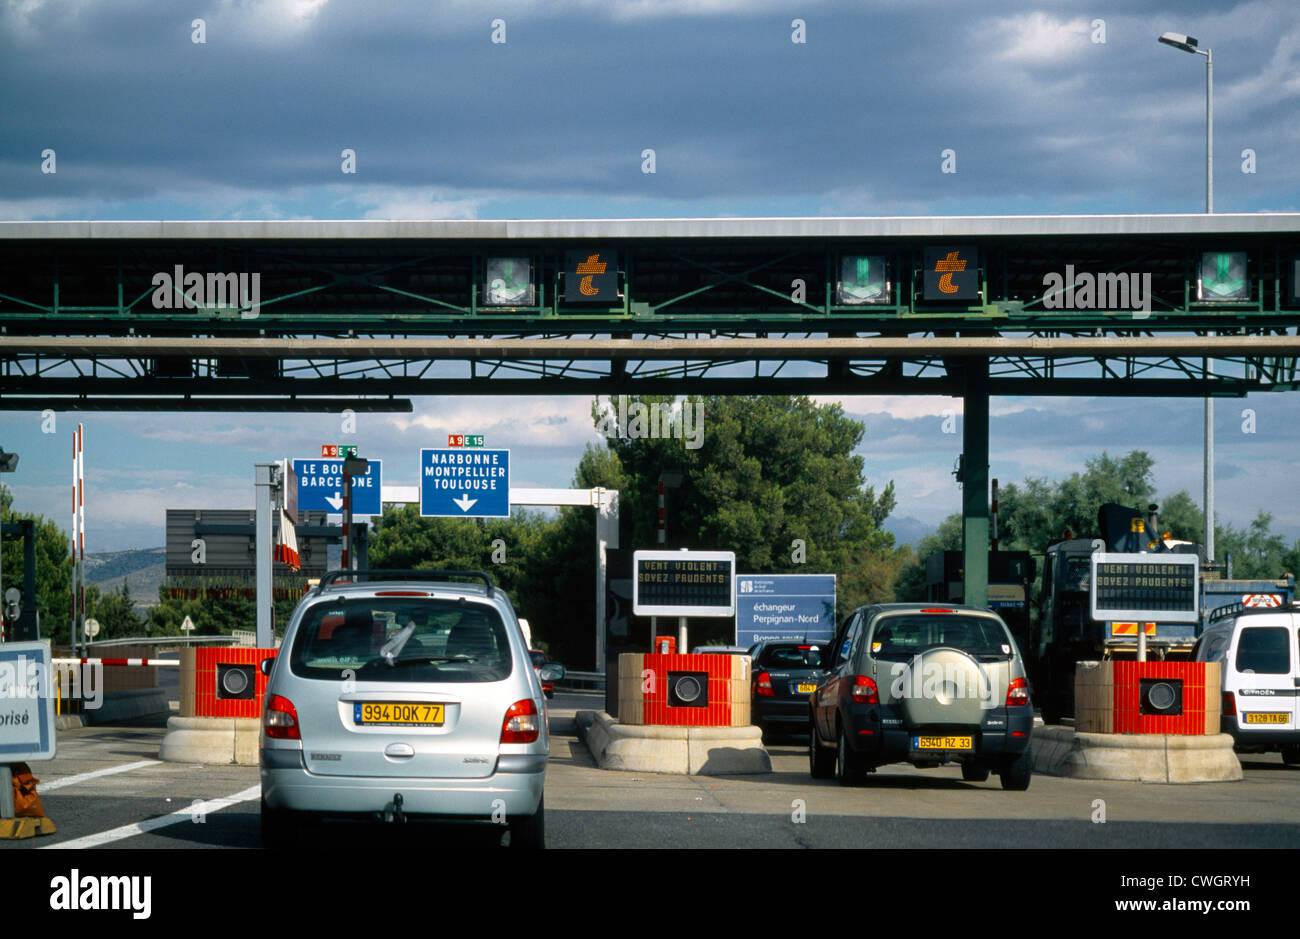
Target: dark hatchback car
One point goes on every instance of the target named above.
(785, 672)
(926, 685)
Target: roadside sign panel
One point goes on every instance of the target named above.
(784, 606)
(684, 583)
(320, 487)
(1159, 587)
(464, 483)
(1006, 596)
(26, 702)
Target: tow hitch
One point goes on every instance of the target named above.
(395, 814)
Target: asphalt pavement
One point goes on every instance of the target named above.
(106, 788)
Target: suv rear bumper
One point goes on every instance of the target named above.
(297, 790)
(876, 742)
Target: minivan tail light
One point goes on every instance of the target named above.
(1017, 693)
(763, 685)
(281, 719)
(864, 690)
(1229, 704)
(522, 723)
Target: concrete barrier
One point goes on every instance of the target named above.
(216, 740)
(1152, 758)
(688, 751)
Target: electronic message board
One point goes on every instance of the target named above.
(1159, 587)
(684, 583)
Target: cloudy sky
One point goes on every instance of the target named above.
(1051, 107)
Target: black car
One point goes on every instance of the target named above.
(784, 675)
(922, 684)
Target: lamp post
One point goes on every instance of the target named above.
(668, 479)
(1189, 44)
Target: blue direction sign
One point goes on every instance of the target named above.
(465, 483)
(320, 487)
(784, 606)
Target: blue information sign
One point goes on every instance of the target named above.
(320, 487)
(465, 483)
(784, 606)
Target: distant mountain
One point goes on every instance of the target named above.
(907, 530)
(144, 569)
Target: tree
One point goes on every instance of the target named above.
(1036, 512)
(116, 614)
(53, 568)
(216, 614)
(774, 479)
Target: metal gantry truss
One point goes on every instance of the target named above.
(366, 314)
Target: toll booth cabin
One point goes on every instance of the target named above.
(1010, 575)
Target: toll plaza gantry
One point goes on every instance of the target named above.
(323, 315)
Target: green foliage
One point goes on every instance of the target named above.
(53, 568)
(213, 615)
(1037, 512)
(775, 480)
(115, 613)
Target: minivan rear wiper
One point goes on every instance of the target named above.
(424, 658)
(393, 647)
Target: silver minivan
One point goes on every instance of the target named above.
(1258, 650)
(403, 694)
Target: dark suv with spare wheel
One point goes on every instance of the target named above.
(922, 684)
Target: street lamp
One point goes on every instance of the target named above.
(1189, 44)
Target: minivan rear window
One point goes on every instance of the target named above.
(1264, 650)
(911, 634)
(451, 642)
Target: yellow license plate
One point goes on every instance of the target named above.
(1267, 717)
(807, 689)
(397, 714)
(944, 743)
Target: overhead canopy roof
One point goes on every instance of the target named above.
(900, 227)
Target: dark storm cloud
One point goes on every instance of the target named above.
(1040, 117)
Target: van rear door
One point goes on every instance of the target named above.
(1263, 665)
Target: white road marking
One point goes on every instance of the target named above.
(82, 777)
(151, 824)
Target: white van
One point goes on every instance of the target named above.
(1259, 659)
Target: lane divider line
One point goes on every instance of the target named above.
(82, 777)
(152, 824)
